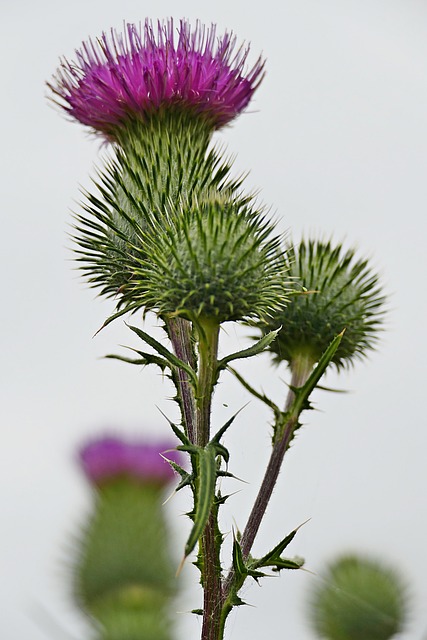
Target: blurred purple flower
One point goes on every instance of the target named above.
(146, 69)
(109, 457)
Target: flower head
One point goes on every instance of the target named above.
(217, 260)
(359, 598)
(337, 292)
(147, 69)
(109, 457)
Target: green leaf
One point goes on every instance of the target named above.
(205, 495)
(273, 557)
(254, 350)
(219, 498)
(288, 563)
(227, 474)
(238, 561)
(118, 314)
(177, 431)
(217, 437)
(219, 450)
(236, 601)
(241, 570)
(254, 392)
(172, 359)
(185, 482)
(144, 360)
(176, 467)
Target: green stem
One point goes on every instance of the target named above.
(211, 538)
(301, 369)
(207, 376)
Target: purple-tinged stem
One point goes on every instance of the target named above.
(180, 336)
(301, 369)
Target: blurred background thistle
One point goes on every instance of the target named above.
(358, 598)
(124, 573)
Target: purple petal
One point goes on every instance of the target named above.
(110, 457)
(130, 75)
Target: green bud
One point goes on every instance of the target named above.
(216, 260)
(156, 166)
(359, 599)
(336, 293)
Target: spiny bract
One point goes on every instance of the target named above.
(217, 260)
(167, 162)
(336, 292)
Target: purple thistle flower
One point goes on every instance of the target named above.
(144, 70)
(109, 457)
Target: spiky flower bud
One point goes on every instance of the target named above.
(124, 574)
(358, 599)
(165, 165)
(337, 292)
(217, 260)
(123, 77)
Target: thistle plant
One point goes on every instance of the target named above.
(123, 574)
(358, 599)
(168, 229)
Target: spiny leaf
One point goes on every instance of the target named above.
(118, 314)
(258, 347)
(219, 450)
(236, 601)
(172, 359)
(288, 563)
(240, 568)
(273, 557)
(144, 360)
(217, 437)
(238, 561)
(177, 431)
(192, 449)
(185, 482)
(186, 478)
(227, 474)
(176, 467)
(220, 499)
(323, 388)
(205, 495)
(254, 392)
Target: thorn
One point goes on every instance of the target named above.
(313, 573)
(181, 564)
(169, 498)
(98, 331)
(302, 524)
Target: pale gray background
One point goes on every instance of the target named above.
(336, 139)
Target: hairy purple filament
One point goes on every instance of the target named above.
(144, 70)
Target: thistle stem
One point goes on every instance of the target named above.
(179, 331)
(301, 369)
(210, 540)
(207, 374)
